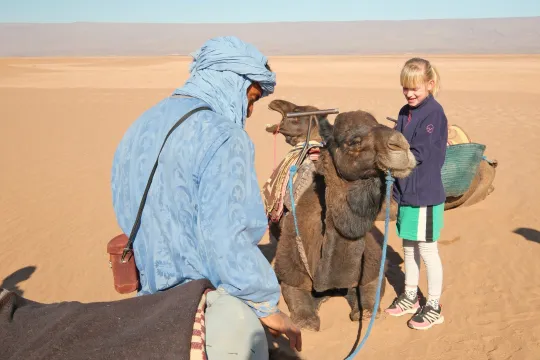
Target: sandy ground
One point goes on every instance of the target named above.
(61, 119)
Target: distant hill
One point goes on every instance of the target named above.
(466, 36)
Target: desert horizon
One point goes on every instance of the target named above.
(61, 119)
(435, 36)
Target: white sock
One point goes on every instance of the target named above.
(433, 302)
(410, 292)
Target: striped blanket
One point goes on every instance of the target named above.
(198, 337)
(275, 189)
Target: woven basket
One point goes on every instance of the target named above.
(460, 166)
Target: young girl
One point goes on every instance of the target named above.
(421, 195)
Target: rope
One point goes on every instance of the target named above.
(489, 161)
(298, 239)
(389, 180)
(292, 171)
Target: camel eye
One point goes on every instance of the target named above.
(355, 142)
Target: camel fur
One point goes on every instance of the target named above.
(335, 215)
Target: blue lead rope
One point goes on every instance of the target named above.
(298, 239)
(389, 181)
(292, 172)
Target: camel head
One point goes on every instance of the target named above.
(294, 129)
(363, 148)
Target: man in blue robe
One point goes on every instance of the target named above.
(204, 215)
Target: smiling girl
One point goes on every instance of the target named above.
(421, 196)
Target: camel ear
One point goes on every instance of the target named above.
(282, 106)
(326, 130)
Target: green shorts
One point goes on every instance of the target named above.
(420, 223)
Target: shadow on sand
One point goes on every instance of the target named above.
(529, 234)
(11, 282)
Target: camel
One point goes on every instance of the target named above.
(335, 216)
(294, 130)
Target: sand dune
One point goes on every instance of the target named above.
(61, 119)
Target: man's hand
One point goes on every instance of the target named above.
(280, 323)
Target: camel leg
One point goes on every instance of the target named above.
(353, 300)
(303, 307)
(367, 298)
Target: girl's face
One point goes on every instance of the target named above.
(415, 96)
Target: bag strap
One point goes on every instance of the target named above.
(137, 224)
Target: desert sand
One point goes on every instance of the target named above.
(61, 119)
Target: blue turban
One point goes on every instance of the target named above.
(221, 72)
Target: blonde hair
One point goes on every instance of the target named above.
(417, 71)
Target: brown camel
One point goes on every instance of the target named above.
(335, 215)
(295, 131)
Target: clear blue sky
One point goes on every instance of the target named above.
(223, 11)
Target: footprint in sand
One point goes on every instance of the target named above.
(448, 242)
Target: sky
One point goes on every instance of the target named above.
(235, 11)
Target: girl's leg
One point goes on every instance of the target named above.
(412, 267)
(407, 303)
(432, 260)
(431, 313)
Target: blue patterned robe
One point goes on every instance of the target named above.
(204, 214)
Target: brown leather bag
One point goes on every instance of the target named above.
(125, 273)
(120, 248)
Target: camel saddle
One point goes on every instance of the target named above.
(275, 196)
(456, 135)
